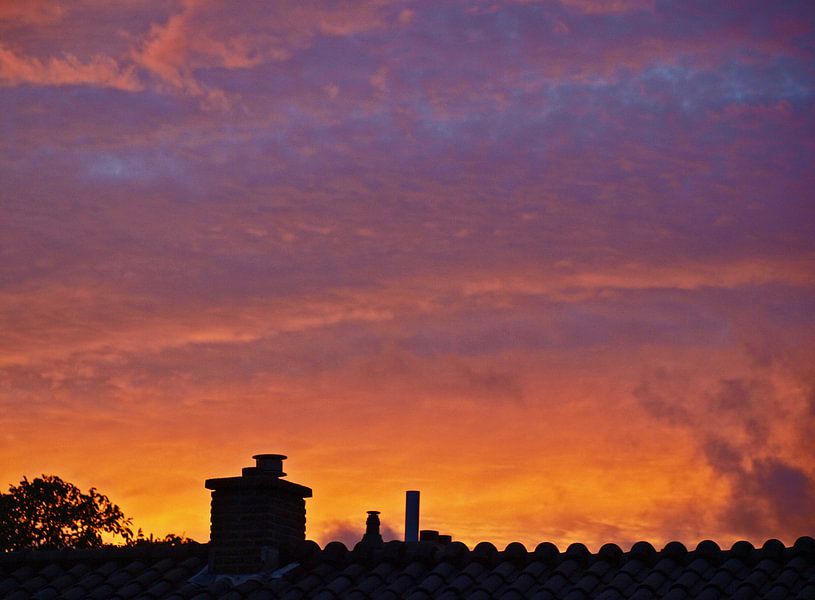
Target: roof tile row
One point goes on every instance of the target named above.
(425, 570)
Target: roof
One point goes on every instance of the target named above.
(423, 570)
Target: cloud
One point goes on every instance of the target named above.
(789, 492)
(32, 12)
(601, 7)
(350, 534)
(207, 35)
(439, 376)
(100, 71)
(768, 495)
(746, 436)
(666, 407)
(642, 276)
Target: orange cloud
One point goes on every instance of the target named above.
(570, 281)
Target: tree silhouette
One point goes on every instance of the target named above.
(48, 512)
(171, 539)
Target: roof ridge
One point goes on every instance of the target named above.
(399, 552)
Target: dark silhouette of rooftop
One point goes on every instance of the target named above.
(417, 570)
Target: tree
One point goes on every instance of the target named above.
(48, 512)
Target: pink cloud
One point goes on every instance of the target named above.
(31, 12)
(602, 7)
(102, 71)
(207, 34)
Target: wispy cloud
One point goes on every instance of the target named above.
(206, 35)
(99, 71)
(35, 12)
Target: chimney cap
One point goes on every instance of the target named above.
(269, 456)
(373, 512)
(267, 464)
(266, 474)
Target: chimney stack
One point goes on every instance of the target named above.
(255, 517)
(412, 516)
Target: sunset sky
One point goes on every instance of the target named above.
(551, 263)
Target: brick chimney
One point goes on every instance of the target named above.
(255, 517)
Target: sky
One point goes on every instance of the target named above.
(551, 263)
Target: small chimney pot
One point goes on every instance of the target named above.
(270, 464)
(372, 536)
(372, 522)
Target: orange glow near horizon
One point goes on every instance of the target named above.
(520, 470)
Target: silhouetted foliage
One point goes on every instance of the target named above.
(170, 539)
(48, 512)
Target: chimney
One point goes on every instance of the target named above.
(255, 517)
(428, 535)
(372, 537)
(412, 516)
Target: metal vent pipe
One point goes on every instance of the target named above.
(412, 516)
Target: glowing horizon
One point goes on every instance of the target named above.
(551, 263)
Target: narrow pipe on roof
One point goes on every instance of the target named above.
(412, 516)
